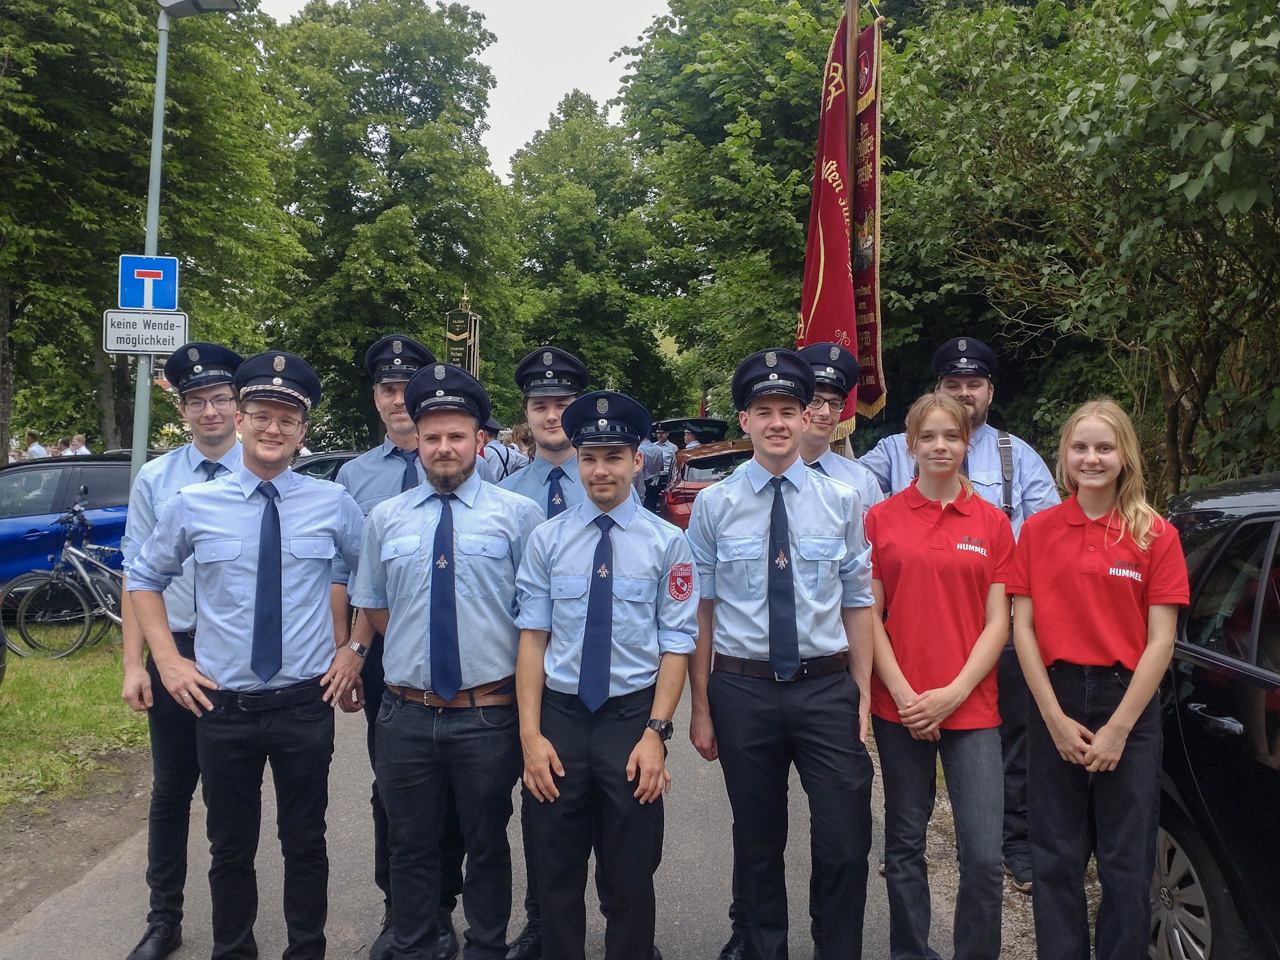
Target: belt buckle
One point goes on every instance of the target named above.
(791, 679)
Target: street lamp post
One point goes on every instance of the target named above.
(169, 10)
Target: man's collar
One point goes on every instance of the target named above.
(248, 481)
(542, 469)
(759, 477)
(467, 492)
(389, 447)
(622, 513)
(230, 459)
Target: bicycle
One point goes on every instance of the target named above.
(58, 611)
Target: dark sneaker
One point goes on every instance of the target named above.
(527, 946)
(1018, 867)
(735, 949)
(160, 940)
(381, 949)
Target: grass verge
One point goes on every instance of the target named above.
(57, 717)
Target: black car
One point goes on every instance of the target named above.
(323, 466)
(1216, 889)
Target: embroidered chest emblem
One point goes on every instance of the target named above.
(781, 560)
(603, 572)
(557, 499)
(442, 562)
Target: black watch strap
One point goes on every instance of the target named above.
(663, 728)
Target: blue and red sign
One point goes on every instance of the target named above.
(148, 283)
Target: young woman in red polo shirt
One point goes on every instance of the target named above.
(1097, 582)
(939, 556)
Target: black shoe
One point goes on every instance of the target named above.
(160, 940)
(381, 949)
(656, 954)
(527, 946)
(735, 949)
(447, 944)
(1018, 867)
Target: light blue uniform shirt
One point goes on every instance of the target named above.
(655, 594)
(1033, 486)
(831, 560)
(854, 474)
(218, 523)
(651, 464)
(533, 482)
(157, 483)
(502, 460)
(668, 455)
(374, 476)
(491, 528)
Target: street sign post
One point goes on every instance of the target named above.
(150, 332)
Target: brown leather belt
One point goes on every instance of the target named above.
(814, 667)
(481, 696)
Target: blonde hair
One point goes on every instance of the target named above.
(1137, 516)
(925, 405)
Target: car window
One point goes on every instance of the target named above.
(712, 469)
(1269, 622)
(27, 493)
(108, 484)
(322, 469)
(1222, 618)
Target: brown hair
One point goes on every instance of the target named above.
(925, 405)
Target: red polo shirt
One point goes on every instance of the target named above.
(1090, 589)
(937, 565)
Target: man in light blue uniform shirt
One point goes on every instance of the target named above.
(500, 459)
(263, 539)
(783, 664)
(202, 374)
(608, 613)
(965, 368)
(835, 372)
(438, 578)
(375, 476)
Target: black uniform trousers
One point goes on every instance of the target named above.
(234, 745)
(451, 847)
(762, 728)
(175, 771)
(1013, 702)
(594, 747)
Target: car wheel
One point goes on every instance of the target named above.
(1192, 914)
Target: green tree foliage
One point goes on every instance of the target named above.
(400, 213)
(588, 250)
(76, 89)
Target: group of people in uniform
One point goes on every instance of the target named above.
(500, 623)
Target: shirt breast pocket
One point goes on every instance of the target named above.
(818, 566)
(739, 572)
(483, 568)
(306, 572)
(222, 581)
(402, 558)
(572, 592)
(637, 597)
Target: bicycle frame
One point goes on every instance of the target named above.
(78, 560)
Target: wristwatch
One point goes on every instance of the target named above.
(663, 728)
(359, 649)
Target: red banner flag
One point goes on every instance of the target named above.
(840, 302)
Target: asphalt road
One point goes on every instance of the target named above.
(102, 915)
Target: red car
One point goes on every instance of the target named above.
(698, 469)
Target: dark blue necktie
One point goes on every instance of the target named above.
(410, 458)
(210, 468)
(818, 466)
(784, 644)
(555, 496)
(597, 638)
(266, 658)
(446, 663)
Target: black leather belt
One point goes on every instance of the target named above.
(761, 669)
(259, 701)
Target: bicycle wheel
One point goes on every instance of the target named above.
(109, 588)
(10, 600)
(54, 618)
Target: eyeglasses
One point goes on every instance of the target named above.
(262, 421)
(817, 403)
(198, 404)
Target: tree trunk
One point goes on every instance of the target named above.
(1172, 449)
(108, 426)
(6, 366)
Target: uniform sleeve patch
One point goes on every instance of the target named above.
(680, 582)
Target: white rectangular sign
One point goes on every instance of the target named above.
(143, 331)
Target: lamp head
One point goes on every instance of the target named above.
(176, 9)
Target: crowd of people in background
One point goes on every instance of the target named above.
(34, 450)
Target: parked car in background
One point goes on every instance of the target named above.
(696, 470)
(1216, 888)
(35, 493)
(708, 429)
(323, 466)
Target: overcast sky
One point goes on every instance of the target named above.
(544, 49)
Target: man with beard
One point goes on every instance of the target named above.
(1007, 472)
(377, 475)
(608, 600)
(202, 374)
(263, 538)
(782, 667)
(438, 579)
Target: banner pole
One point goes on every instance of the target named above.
(851, 99)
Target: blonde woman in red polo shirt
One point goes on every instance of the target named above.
(1097, 582)
(939, 556)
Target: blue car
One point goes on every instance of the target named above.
(35, 493)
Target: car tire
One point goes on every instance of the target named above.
(1192, 914)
